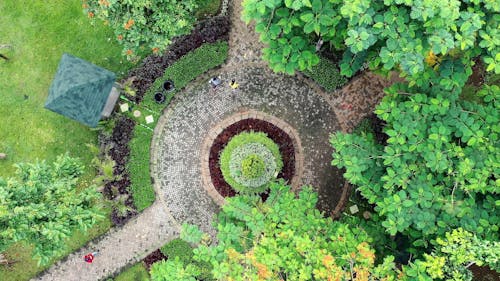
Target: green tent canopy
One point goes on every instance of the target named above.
(80, 90)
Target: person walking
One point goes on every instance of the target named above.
(89, 258)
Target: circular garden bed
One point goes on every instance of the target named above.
(277, 135)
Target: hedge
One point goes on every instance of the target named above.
(138, 167)
(326, 73)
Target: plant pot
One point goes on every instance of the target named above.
(159, 97)
(168, 86)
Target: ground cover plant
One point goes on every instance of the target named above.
(326, 74)
(250, 161)
(439, 167)
(138, 167)
(42, 206)
(427, 41)
(207, 8)
(137, 272)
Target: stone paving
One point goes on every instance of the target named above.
(182, 130)
(119, 247)
(178, 142)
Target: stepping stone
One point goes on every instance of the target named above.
(149, 119)
(124, 107)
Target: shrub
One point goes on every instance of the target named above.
(138, 167)
(252, 166)
(186, 69)
(326, 74)
(249, 161)
(143, 23)
(43, 206)
(438, 169)
(178, 248)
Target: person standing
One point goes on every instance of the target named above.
(234, 85)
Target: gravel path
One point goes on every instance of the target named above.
(119, 247)
(177, 144)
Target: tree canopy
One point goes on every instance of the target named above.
(425, 40)
(144, 25)
(439, 168)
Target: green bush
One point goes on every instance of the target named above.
(178, 248)
(187, 68)
(138, 167)
(250, 161)
(253, 166)
(144, 24)
(137, 272)
(326, 74)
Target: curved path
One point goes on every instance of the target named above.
(180, 134)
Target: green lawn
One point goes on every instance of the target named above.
(39, 33)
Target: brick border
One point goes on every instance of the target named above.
(241, 115)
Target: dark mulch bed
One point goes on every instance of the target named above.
(484, 273)
(153, 67)
(116, 147)
(155, 256)
(276, 134)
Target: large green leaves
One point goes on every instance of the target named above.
(43, 207)
(439, 168)
(393, 34)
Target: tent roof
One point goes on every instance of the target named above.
(80, 90)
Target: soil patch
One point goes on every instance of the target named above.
(282, 139)
(478, 73)
(116, 147)
(484, 273)
(155, 256)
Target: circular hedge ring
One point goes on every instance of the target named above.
(250, 161)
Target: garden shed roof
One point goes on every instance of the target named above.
(80, 90)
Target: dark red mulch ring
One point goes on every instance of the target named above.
(155, 256)
(281, 138)
(484, 273)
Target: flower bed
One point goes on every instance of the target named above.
(282, 139)
(250, 161)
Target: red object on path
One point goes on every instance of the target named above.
(89, 258)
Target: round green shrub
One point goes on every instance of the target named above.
(252, 166)
(250, 161)
(178, 248)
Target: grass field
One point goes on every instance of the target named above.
(39, 32)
